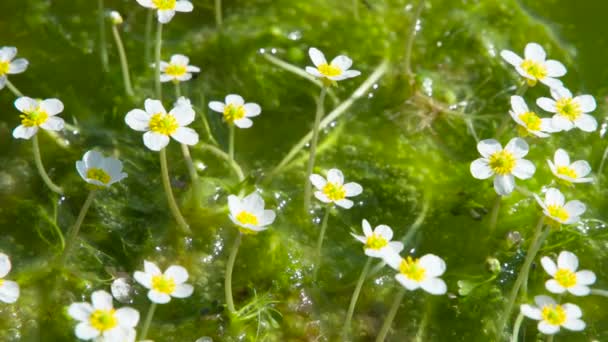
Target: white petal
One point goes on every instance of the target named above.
(9, 291)
(434, 265)
(586, 123)
(547, 329)
(480, 169)
(317, 56)
(551, 82)
(253, 203)
(549, 266)
(581, 167)
(396, 247)
(183, 291)
(434, 286)
(154, 107)
(127, 317)
(322, 197)
(587, 103)
(185, 77)
(114, 168)
(524, 169)
(574, 325)
(342, 62)
(243, 123)
(53, 123)
(184, 115)
(267, 218)
(347, 74)
(118, 333)
(85, 331)
(384, 231)
(393, 260)
(146, 3)
(235, 100)
(518, 105)
(313, 71)
(561, 123)
(560, 93)
(367, 229)
(192, 68)
(252, 109)
(80, 311)
(52, 106)
(546, 104)
(535, 52)
(179, 59)
(155, 141)
(488, 147)
(554, 287)
(166, 78)
(504, 185)
(567, 260)
(2, 81)
(554, 197)
(335, 176)
(18, 66)
(234, 205)
(318, 181)
(26, 104)
(575, 208)
(217, 106)
(5, 265)
(579, 290)
(344, 203)
(178, 273)
(518, 146)
(359, 238)
(22, 132)
(183, 6)
(407, 282)
(93, 159)
(352, 189)
(561, 158)
(185, 135)
(7, 53)
(165, 16)
(151, 268)
(543, 300)
(102, 300)
(511, 58)
(555, 68)
(138, 120)
(585, 277)
(530, 311)
(158, 297)
(572, 311)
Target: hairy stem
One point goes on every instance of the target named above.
(124, 64)
(228, 280)
(183, 225)
(38, 159)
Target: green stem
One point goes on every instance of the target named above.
(320, 241)
(72, 234)
(124, 64)
(189, 163)
(494, 214)
(388, 321)
(356, 9)
(203, 116)
(516, 327)
(148, 36)
(410, 39)
(38, 159)
(599, 292)
(178, 89)
(169, 192)
(231, 143)
(550, 338)
(422, 326)
(159, 43)
(218, 13)
(600, 170)
(313, 147)
(147, 322)
(13, 89)
(223, 155)
(354, 298)
(228, 279)
(101, 18)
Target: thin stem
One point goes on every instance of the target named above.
(410, 39)
(38, 159)
(148, 36)
(599, 170)
(159, 43)
(169, 192)
(516, 327)
(354, 298)
(320, 241)
(388, 321)
(218, 13)
(102, 36)
(13, 89)
(599, 292)
(124, 64)
(178, 89)
(203, 116)
(494, 214)
(72, 234)
(228, 279)
(550, 338)
(422, 326)
(189, 163)
(231, 143)
(313, 147)
(356, 9)
(221, 154)
(147, 322)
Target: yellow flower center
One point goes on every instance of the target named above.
(558, 212)
(233, 113)
(411, 268)
(334, 192)
(98, 175)
(245, 217)
(502, 163)
(568, 108)
(163, 123)
(375, 241)
(565, 277)
(163, 284)
(531, 120)
(329, 70)
(175, 70)
(567, 171)
(164, 4)
(554, 314)
(103, 320)
(1, 281)
(534, 69)
(4, 66)
(34, 118)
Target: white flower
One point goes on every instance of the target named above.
(100, 321)
(98, 170)
(504, 163)
(249, 214)
(167, 8)
(9, 66)
(163, 286)
(160, 125)
(116, 18)
(419, 273)
(9, 290)
(236, 111)
(534, 67)
(555, 209)
(553, 316)
(183, 101)
(529, 120)
(333, 190)
(565, 277)
(378, 242)
(337, 70)
(569, 111)
(571, 173)
(177, 70)
(37, 113)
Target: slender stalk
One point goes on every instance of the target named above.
(516, 327)
(169, 192)
(72, 234)
(599, 170)
(148, 36)
(189, 163)
(494, 214)
(313, 147)
(388, 321)
(599, 292)
(13, 89)
(228, 279)
(103, 49)
(410, 39)
(124, 64)
(218, 14)
(221, 154)
(354, 298)
(422, 326)
(231, 143)
(320, 241)
(178, 89)
(356, 9)
(203, 116)
(147, 322)
(159, 43)
(550, 338)
(38, 159)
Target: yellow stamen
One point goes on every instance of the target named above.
(334, 192)
(558, 212)
(175, 70)
(245, 217)
(554, 314)
(534, 69)
(502, 163)
(103, 320)
(163, 123)
(375, 241)
(164, 5)
(163, 284)
(329, 70)
(411, 268)
(4, 67)
(568, 108)
(567, 171)
(233, 113)
(34, 118)
(98, 175)
(565, 277)
(531, 120)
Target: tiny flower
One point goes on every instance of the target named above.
(116, 18)
(249, 214)
(236, 111)
(419, 273)
(167, 8)
(177, 70)
(8, 66)
(529, 120)
(558, 212)
(160, 125)
(37, 113)
(100, 171)
(534, 67)
(163, 286)
(569, 173)
(378, 242)
(101, 322)
(569, 111)
(565, 277)
(337, 70)
(553, 316)
(504, 163)
(9, 290)
(333, 190)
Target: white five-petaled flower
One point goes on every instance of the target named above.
(163, 286)
(100, 321)
(377, 243)
(9, 290)
(235, 111)
(167, 8)
(555, 207)
(116, 18)
(249, 214)
(8, 66)
(553, 316)
(529, 121)
(535, 66)
(417, 273)
(333, 190)
(160, 125)
(337, 70)
(177, 70)
(503, 163)
(570, 173)
(569, 111)
(37, 113)
(100, 171)
(565, 276)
